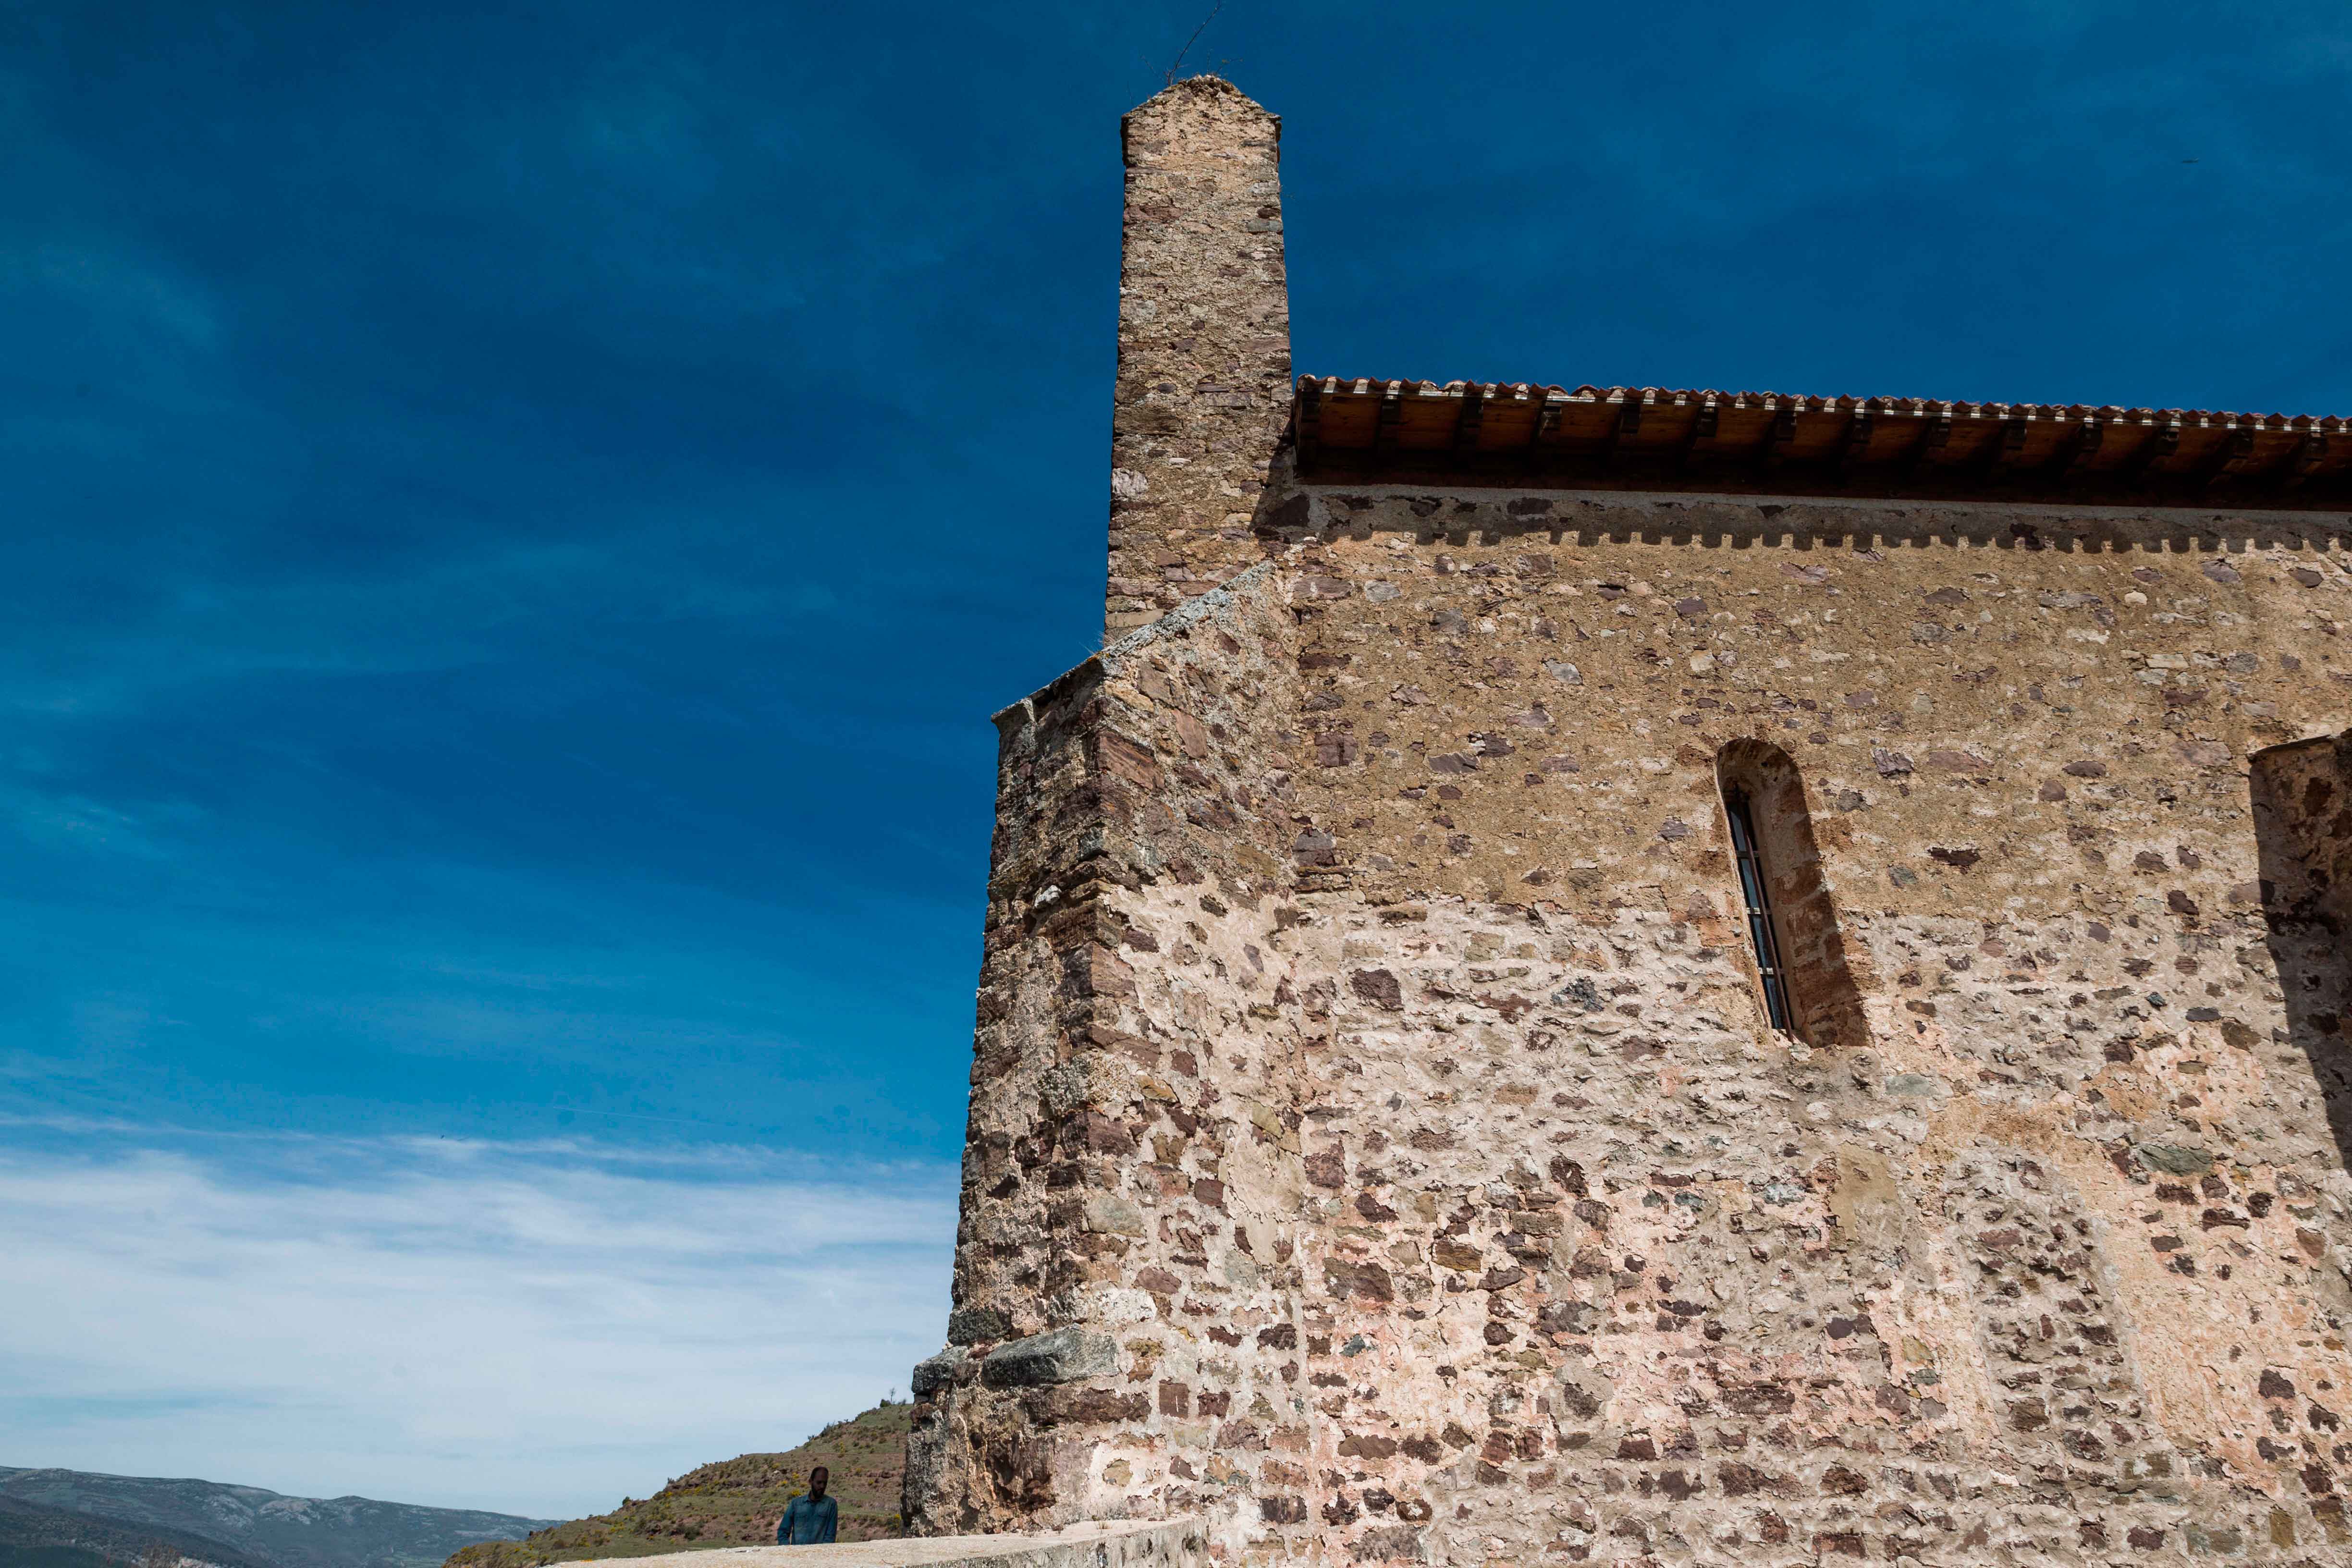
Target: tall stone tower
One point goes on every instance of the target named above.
(1203, 386)
(1133, 1011)
(1649, 975)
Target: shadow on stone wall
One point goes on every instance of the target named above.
(2302, 826)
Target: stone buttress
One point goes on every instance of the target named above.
(1124, 1341)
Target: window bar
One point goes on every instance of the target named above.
(1760, 908)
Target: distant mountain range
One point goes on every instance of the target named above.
(36, 1537)
(73, 1518)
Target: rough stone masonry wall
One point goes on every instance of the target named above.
(1598, 1269)
(1376, 1147)
(1203, 388)
(1125, 1337)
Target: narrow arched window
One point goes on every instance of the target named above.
(1793, 925)
(1758, 892)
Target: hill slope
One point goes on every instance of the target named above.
(280, 1531)
(734, 1502)
(36, 1537)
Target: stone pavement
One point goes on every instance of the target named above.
(1116, 1544)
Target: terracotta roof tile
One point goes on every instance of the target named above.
(1840, 403)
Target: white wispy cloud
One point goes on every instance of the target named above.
(535, 1328)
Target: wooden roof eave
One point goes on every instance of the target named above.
(1538, 436)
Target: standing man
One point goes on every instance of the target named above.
(809, 1520)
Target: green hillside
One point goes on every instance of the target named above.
(732, 1503)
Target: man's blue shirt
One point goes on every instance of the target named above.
(807, 1523)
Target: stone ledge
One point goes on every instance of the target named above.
(1105, 1543)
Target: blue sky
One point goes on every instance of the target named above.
(515, 521)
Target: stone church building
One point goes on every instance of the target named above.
(1631, 975)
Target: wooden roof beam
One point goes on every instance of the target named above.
(1544, 434)
(1628, 420)
(1467, 423)
(2000, 451)
(1702, 426)
(1935, 433)
(2160, 442)
(1389, 415)
(1852, 442)
(1778, 433)
(2310, 455)
(2074, 457)
(2236, 444)
(1310, 419)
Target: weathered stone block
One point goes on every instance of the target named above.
(970, 1325)
(935, 1372)
(1058, 1355)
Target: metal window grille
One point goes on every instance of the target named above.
(1753, 888)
